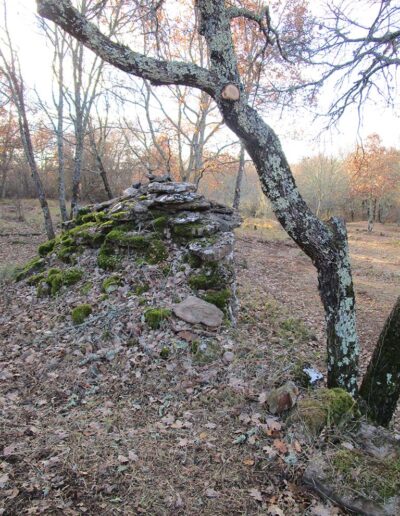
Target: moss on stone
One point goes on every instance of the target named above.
(210, 276)
(188, 230)
(160, 223)
(80, 313)
(120, 236)
(32, 267)
(56, 279)
(375, 478)
(156, 252)
(66, 253)
(36, 278)
(119, 215)
(219, 298)
(155, 316)
(47, 247)
(325, 407)
(94, 216)
(111, 283)
(107, 259)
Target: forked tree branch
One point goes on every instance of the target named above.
(157, 71)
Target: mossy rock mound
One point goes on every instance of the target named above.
(161, 224)
(324, 408)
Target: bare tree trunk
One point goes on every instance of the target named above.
(3, 183)
(370, 215)
(239, 179)
(100, 165)
(76, 176)
(60, 128)
(380, 387)
(27, 142)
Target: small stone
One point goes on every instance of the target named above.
(195, 310)
(228, 357)
(283, 398)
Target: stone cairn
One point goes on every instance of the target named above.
(162, 223)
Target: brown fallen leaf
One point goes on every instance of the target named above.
(248, 461)
(280, 446)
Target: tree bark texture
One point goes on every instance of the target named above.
(380, 388)
(326, 245)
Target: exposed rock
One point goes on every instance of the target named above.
(379, 442)
(169, 188)
(214, 252)
(130, 191)
(282, 399)
(194, 310)
(361, 479)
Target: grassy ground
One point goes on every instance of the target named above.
(161, 437)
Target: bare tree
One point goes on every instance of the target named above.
(11, 70)
(355, 49)
(324, 243)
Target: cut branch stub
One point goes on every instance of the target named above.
(230, 92)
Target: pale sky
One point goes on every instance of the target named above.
(35, 57)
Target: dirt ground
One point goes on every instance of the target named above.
(129, 435)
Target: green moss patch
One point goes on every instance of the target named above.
(155, 316)
(210, 276)
(80, 313)
(378, 479)
(219, 298)
(111, 283)
(156, 252)
(324, 407)
(107, 259)
(52, 282)
(47, 247)
(32, 267)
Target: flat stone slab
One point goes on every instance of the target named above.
(170, 188)
(195, 310)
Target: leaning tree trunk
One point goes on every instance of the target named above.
(325, 245)
(380, 387)
(239, 179)
(30, 157)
